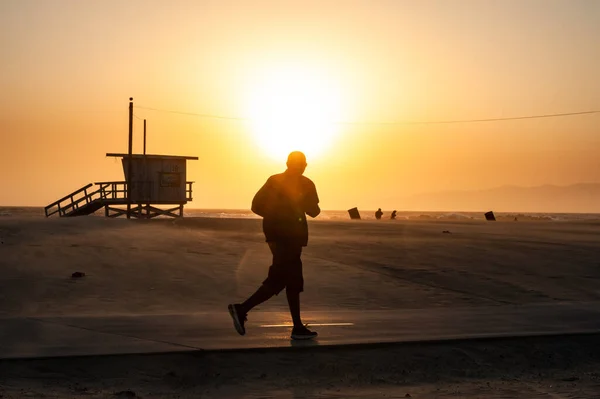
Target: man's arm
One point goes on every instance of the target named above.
(260, 202)
(311, 204)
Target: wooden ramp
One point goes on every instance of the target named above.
(108, 195)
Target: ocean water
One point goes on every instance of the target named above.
(343, 215)
(406, 215)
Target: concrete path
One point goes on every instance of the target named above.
(105, 335)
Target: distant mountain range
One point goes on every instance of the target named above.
(577, 198)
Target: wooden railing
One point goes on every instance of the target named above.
(112, 190)
(69, 202)
(143, 190)
(188, 190)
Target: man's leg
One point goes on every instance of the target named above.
(265, 291)
(262, 294)
(293, 298)
(271, 286)
(294, 286)
(290, 254)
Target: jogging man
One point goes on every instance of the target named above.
(283, 202)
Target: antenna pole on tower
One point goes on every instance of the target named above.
(130, 158)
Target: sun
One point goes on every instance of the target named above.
(294, 108)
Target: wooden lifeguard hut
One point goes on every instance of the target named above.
(150, 181)
(155, 180)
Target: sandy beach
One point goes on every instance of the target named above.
(460, 136)
(167, 266)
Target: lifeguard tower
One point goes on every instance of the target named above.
(150, 181)
(155, 180)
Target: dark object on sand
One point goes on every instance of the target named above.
(354, 213)
(126, 394)
(490, 216)
(446, 232)
(571, 379)
(78, 275)
(378, 214)
(393, 216)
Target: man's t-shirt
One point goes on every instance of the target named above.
(282, 202)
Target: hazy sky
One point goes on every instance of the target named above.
(68, 68)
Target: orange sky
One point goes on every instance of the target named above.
(69, 67)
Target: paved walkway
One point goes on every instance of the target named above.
(76, 336)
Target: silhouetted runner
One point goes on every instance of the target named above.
(378, 214)
(283, 202)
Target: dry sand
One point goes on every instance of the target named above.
(520, 368)
(189, 265)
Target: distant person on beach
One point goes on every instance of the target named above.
(378, 214)
(393, 216)
(283, 202)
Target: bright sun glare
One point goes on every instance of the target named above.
(294, 109)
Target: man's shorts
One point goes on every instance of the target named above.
(286, 270)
